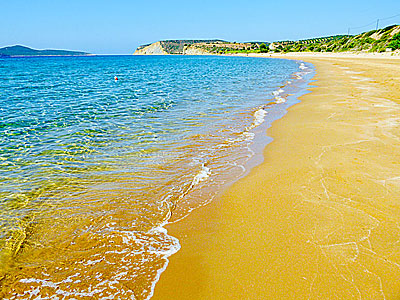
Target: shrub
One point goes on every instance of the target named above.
(366, 46)
(263, 48)
(395, 42)
(374, 48)
(368, 40)
(352, 44)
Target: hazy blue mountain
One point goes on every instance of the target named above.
(19, 50)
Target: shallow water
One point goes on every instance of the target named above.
(92, 168)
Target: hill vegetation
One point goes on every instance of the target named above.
(205, 46)
(233, 47)
(177, 46)
(19, 50)
(381, 40)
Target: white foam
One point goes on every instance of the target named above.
(147, 241)
(202, 175)
(259, 117)
(280, 99)
(248, 135)
(353, 72)
(172, 250)
(278, 92)
(302, 66)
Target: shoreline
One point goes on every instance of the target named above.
(255, 115)
(312, 55)
(299, 55)
(315, 219)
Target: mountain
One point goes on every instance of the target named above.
(193, 47)
(19, 50)
(381, 40)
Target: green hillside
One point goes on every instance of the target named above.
(234, 47)
(19, 50)
(381, 40)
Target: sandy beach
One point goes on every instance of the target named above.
(319, 218)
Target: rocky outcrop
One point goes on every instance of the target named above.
(185, 47)
(152, 49)
(196, 47)
(164, 48)
(193, 50)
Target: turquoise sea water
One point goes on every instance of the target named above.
(92, 168)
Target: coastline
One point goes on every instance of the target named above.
(225, 156)
(317, 219)
(312, 55)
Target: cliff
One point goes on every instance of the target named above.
(174, 47)
(195, 47)
(152, 49)
(194, 50)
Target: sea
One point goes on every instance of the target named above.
(93, 168)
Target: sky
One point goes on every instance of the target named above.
(120, 26)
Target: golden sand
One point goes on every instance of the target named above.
(319, 219)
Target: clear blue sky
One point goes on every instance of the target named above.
(119, 26)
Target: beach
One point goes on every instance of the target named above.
(93, 167)
(319, 218)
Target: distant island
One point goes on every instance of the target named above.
(18, 50)
(381, 40)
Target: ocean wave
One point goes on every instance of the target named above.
(248, 135)
(203, 174)
(173, 248)
(135, 249)
(278, 92)
(259, 117)
(279, 100)
(303, 66)
(304, 71)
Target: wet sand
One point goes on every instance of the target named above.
(319, 219)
